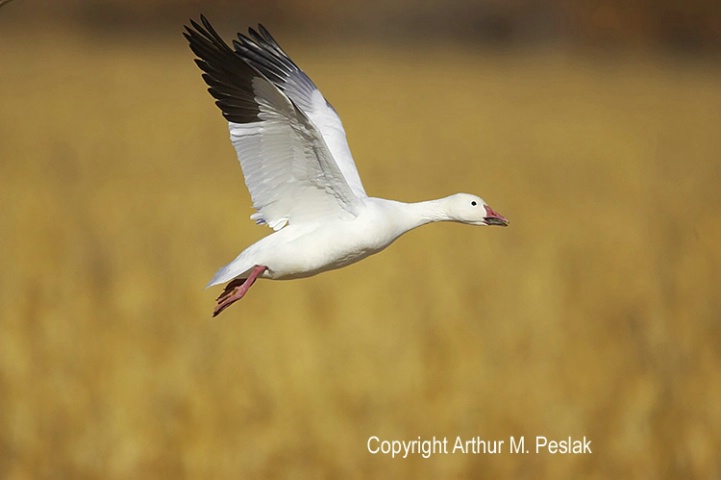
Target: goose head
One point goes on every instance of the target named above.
(472, 210)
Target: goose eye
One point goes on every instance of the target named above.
(473, 203)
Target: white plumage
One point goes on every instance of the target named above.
(299, 170)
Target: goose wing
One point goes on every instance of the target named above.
(289, 140)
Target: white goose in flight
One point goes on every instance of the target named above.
(299, 170)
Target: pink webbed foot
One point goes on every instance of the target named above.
(236, 289)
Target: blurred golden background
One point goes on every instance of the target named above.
(593, 126)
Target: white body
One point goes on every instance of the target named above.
(309, 249)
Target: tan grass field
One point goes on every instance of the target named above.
(596, 313)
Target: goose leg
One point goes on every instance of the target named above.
(236, 289)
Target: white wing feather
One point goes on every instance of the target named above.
(289, 171)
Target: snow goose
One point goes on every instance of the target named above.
(299, 170)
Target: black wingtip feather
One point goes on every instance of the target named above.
(228, 75)
(269, 38)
